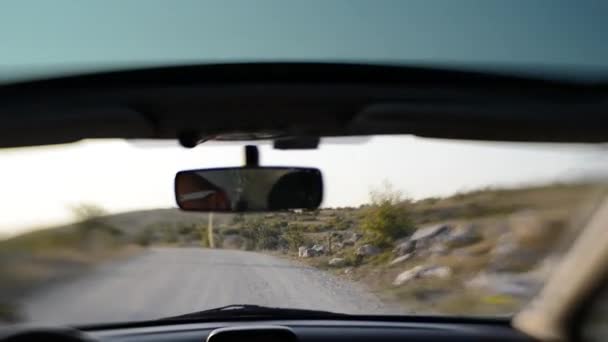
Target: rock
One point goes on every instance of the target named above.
(436, 271)
(305, 252)
(509, 256)
(337, 262)
(400, 259)
(439, 249)
(462, 236)
(429, 232)
(505, 245)
(337, 245)
(403, 248)
(422, 272)
(424, 237)
(504, 283)
(352, 239)
(319, 249)
(348, 270)
(408, 275)
(309, 253)
(367, 250)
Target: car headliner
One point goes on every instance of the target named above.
(201, 102)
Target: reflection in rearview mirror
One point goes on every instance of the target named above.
(249, 189)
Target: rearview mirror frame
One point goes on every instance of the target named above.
(316, 192)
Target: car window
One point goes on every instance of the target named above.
(91, 232)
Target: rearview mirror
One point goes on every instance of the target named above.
(249, 189)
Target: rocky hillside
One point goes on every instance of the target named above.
(485, 252)
(482, 252)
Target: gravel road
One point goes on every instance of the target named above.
(171, 281)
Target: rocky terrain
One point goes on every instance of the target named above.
(491, 262)
(476, 253)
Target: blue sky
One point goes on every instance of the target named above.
(55, 36)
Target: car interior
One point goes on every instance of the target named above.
(282, 171)
(190, 104)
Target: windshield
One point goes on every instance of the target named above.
(40, 39)
(91, 232)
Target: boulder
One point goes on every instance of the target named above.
(504, 283)
(509, 256)
(305, 252)
(429, 232)
(505, 246)
(309, 253)
(462, 236)
(337, 262)
(367, 250)
(437, 272)
(400, 259)
(319, 249)
(404, 248)
(422, 272)
(424, 237)
(346, 243)
(438, 249)
(408, 275)
(352, 239)
(337, 245)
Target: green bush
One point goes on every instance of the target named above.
(387, 218)
(339, 222)
(259, 235)
(294, 238)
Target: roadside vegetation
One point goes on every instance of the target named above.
(481, 252)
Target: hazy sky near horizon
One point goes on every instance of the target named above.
(40, 184)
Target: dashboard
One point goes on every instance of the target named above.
(310, 330)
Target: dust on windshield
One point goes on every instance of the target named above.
(91, 234)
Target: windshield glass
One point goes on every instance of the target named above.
(91, 232)
(64, 36)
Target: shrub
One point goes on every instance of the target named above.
(352, 259)
(145, 238)
(294, 238)
(87, 211)
(231, 231)
(238, 218)
(259, 235)
(316, 228)
(387, 218)
(339, 222)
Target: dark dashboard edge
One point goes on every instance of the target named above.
(370, 318)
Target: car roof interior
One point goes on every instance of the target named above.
(295, 103)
